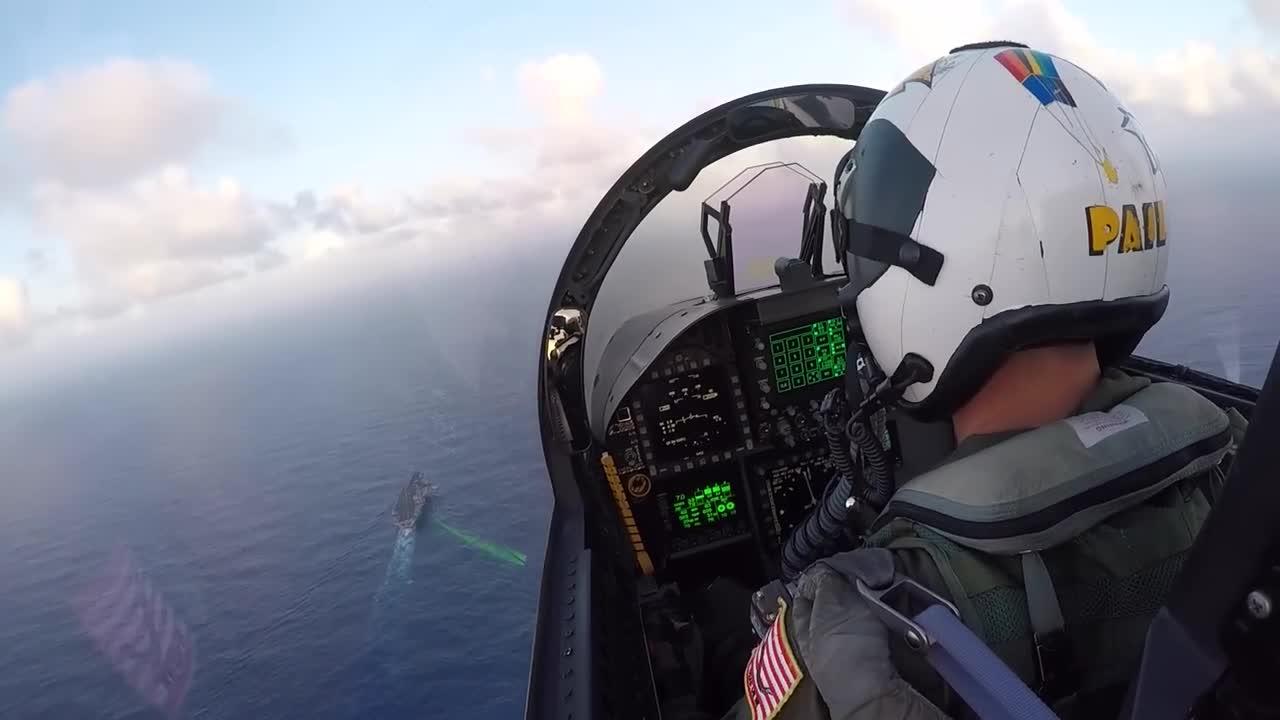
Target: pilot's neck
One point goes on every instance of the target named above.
(1034, 387)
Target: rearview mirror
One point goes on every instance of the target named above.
(783, 116)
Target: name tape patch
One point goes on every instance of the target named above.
(1094, 427)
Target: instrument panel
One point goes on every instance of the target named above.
(788, 487)
(721, 440)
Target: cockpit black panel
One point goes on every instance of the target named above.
(719, 440)
(704, 507)
(691, 413)
(635, 347)
(789, 486)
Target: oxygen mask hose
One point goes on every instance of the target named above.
(835, 413)
(823, 530)
(879, 482)
(821, 533)
(840, 504)
(875, 463)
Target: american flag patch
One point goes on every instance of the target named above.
(136, 630)
(772, 672)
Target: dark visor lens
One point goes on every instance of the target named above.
(882, 199)
(863, 272)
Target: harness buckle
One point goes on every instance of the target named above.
(913, 598)
(1055, 663)
(765, 603)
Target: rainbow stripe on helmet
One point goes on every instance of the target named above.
(1037, 73)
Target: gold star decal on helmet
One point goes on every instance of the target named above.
(1113, 177)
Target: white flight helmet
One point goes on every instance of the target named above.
(1000, 198)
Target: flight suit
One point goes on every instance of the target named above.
(828, 655)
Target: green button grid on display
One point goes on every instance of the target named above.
(807, 355)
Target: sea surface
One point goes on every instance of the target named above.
(249, 475)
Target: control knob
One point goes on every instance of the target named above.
(784, 429)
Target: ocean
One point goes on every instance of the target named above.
(249, 473)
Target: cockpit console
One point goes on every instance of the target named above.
(720, 440)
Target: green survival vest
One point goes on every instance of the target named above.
(1058, 544)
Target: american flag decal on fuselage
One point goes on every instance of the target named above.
(135, 629)
(772, 673)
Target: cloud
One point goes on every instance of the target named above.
(1267, 13)
(556, 183)
(156, 279)
(14, 312)
(568, 135)
(497, 139)
(559, 146)
(100, 158)
(925, 29)
(353, 211)
(1196, 78)
(563, 86)
(156, 236)
(35, 260)
(269, 259)
(166, 233)
(560, 161)
(585, 146)
(107, 152)
(166, 215)
(461, 198)
(111, 122)
(319, 243)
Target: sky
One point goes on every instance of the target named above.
(171, 160)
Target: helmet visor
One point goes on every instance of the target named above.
(881, 192)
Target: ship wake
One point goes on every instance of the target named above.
(387, 654)
(398, 578)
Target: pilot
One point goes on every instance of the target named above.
(1006, 249)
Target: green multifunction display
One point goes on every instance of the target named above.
(807, 355)
(704, 506)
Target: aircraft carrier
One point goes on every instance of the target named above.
(413, 499)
